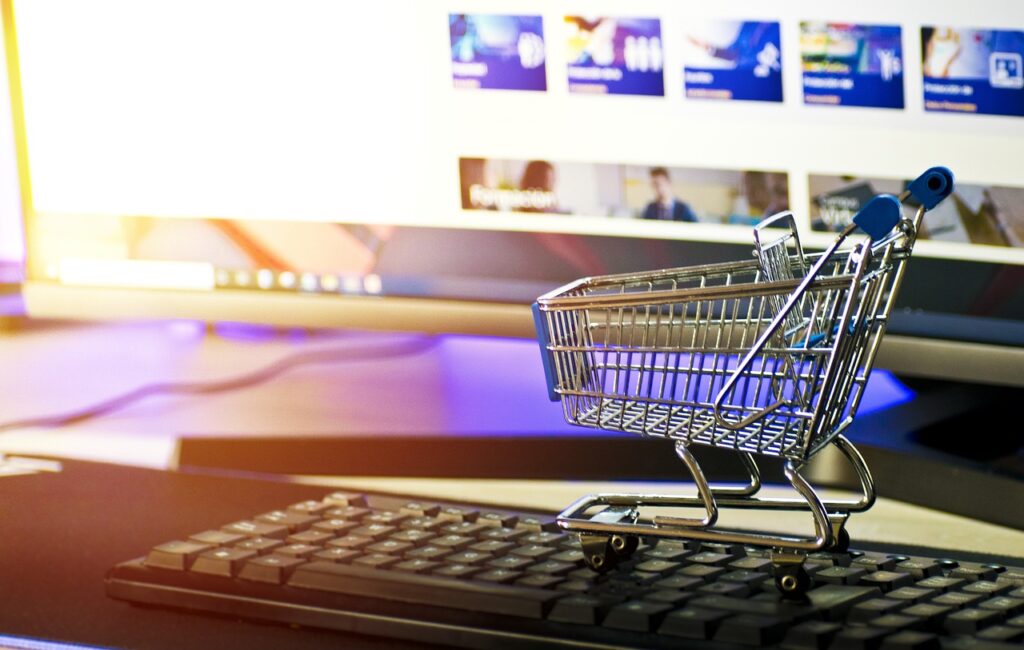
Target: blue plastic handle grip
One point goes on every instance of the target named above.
(545, 354)
(931, 187)
(879, 216)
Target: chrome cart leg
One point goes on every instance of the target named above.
(707, 495)
(791, 578)
(751, 488)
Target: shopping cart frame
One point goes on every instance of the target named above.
(614, 531)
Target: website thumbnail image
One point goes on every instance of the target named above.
(622, 191)
(974, 214)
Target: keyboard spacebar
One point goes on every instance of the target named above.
(423, 590)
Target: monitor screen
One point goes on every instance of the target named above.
(404, 164)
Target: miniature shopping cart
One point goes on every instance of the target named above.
(767, 357)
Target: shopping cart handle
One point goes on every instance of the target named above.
(879, 216)
(932, 186)
(545, 354)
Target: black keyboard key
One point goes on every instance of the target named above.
(987, 588)
(583, 610)
(576, 586)
(390, 546)
(539, 580)
(222, 561)
(498, 519)
(217, 538)
(919, 568)
(257, 529)
(1008, 606)
(274, 569)
(335, 526)
(705, 572)
(810, 635)
(314, 537)
(503, 533)
(262, 545)
(537, 524)
(493, 546)
(940, 583)
(350, 542)
(895, 622)
(297, 550)
(335, 554)
(667, 551)
(469, 595)
(498, 576)
(657, 566)
(887, 580)
(349, 512)
(552, 567)
(416, 566)
(574, 556)
(636, 615)
(679, 582)
(957, 599)
(293, 521)
(970, 571)
(930, 614)
(732, 589)
(742, 576)
(420, 509)
(759, 564)
(545, 538)
(692, 623)
(711, 559)
(513, 562)
(434, 525)
(413, 536)
(376, 532)
(432, 553)
(870, 609)
(457, 514)
(839, 575)
(452, 542)
(874, 562)
(911, 640)
(1004, 633)
(457, 571)
(974, 643)
(911, 594)
(311, 507)
(779, 609)
(751, 630)
(833, 601)
(533, 551)
(1016, 620)
(1013, 576)
(176, 555)
(859, 638)
(375, 561)
(971, 620)
(670, 596)
(386, 517)
(346, 499)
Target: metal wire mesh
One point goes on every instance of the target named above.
(650, 353)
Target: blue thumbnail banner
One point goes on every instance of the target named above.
(731, 59)
(498, 52)
(852, 65)
(617, 56)
(973, 70)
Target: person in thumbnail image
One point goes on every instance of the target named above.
(941, 48)
(539, 175)
(665, 206)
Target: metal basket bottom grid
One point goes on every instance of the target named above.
(770, 436)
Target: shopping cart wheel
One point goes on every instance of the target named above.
(792, 581)
(603, 552)
(842, 542)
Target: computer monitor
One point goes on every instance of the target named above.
(403, 165)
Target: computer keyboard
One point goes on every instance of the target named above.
(475, 576)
